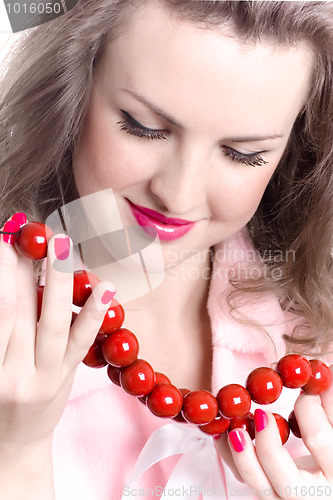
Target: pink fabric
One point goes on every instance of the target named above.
(103, 430)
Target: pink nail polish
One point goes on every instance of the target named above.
(61, 248)
(260, 420)
(237, 440)
(11, 227)
(20, 218)
(108, 296)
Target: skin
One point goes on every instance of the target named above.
(227, 90)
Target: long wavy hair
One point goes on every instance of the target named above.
(45, 87)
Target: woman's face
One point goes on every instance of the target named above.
(189, 123)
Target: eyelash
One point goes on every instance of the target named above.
(130, 126)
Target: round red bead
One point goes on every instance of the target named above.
(83, 284)
(294, 370)
(246, 423)
(293, 424)
(200, 407)
(179, 417)
(165, 400)
(121, 348)
(216, 427)
(283, 427)
(160, 378)
(233, 400)
(138, 379)
(264, 385)
(320, 379)
(94, 357)
(32, 240)
(113, 319)
(114, 374)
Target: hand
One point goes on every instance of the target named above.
(38, 362)
(268, 467)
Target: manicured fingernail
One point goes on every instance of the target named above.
(11, 227)
(20, 218)
(108, 296)
(103, 294)
(260, 420)
(217, 437)
(237, 440)
(61, 248)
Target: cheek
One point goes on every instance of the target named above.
(238, 197)
(107, 157)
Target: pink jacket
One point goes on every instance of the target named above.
(103, 430)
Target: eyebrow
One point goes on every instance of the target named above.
(160, 112)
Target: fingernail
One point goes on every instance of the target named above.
(103, 294)
(237, 440)
(61, 248)
(11, 227)
(260, 420)
(108, 296)
(217, 437)
(20, 218)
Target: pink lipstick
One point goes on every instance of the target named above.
(168, 229)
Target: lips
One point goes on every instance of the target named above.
(168, 229)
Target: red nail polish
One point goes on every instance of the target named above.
(237, 440)
(107, 296)
(61, 248)
(20, 218)
(260, 420)
(11, 227)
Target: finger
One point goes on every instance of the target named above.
(327, 400)
(8, 290)
(222, 446)
(21, 346)
(54, 324)
(248, 465)
(316, 430)
(278, 465)
(88, 323)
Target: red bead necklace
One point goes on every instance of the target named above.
(118, 348)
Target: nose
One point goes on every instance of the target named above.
(181, 182)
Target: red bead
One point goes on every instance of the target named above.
(114, 374)
(32, 240)
(320, 379)
(264, 385)
(216, 427)
(294, 370)
(283, 427)
(40, 291)
(165, 400)
(233, 401)
(200, 407)
(293, 424)
(83, 284)
(94, 357)
(120, 348)
(138, 379)
(246, 423)
(113, 319)
(179, 417)
(160, 378)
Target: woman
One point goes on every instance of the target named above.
(210, 116)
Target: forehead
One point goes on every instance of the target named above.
(195, 72)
